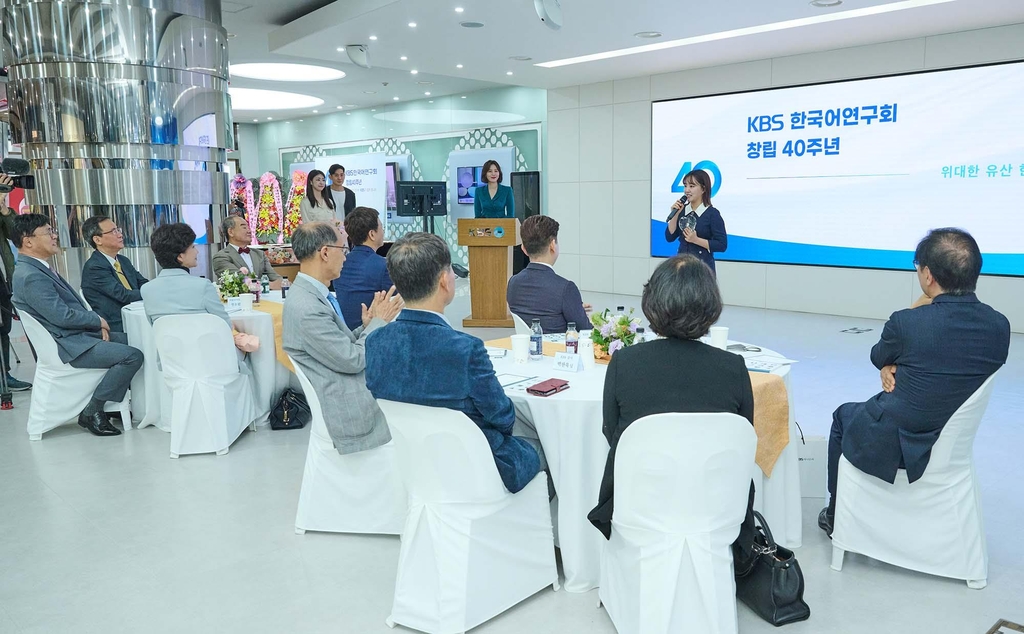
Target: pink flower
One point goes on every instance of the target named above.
(615, 346)
(243, 270)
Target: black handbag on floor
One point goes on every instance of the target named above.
(772, 583)
(291, 411)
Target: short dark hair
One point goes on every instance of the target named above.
(26, 225)
(359, 223)
(416, 262)
(537, 233)
(953, 258)
(308, 238)
(681, 300)
(334, 168)
(91, 229)
(228, 223)
(701, 178)
(487, 167)
(169, 241)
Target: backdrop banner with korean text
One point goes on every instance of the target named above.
(365, 175)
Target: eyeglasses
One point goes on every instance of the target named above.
(116, 230)
(51, 231)
(344, 249)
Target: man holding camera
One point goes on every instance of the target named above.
(6, 271)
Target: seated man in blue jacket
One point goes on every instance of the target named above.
(365, 273)
(419, 358)
(109, 281)
(537, 292)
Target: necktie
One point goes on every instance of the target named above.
(334, 302)
(120, 274)
(243, 249)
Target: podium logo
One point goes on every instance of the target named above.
(707, 166)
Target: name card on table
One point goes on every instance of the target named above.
(568, 362)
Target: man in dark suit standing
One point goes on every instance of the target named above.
(109, 281)
(83, 338)
(344, 198)
(365, 272)
(931, 358)
(421, 359)
(237, 254)
(537, 292)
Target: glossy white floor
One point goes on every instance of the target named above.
(109, 535)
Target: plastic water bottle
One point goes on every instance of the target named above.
(536, 341)
(620, 311)
(284, 288)
(265, 283)
(572, 339)
(641, 336)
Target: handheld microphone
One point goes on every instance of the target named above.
(682, 200)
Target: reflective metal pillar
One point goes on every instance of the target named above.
(122, 109)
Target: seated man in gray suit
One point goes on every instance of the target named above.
(83, 338)
(537, 292)
(332, 356)
(109, 281)
(234, 256)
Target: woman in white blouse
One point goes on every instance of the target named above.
(318, 205)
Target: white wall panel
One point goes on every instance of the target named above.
(564, 146)
(564, 206)
(597, 274)
(596, 218)
(601, 94)
(596, 143)
(632, 142)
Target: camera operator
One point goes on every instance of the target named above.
(6, 270)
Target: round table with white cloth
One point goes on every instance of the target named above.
(569, 425)
(270, 378)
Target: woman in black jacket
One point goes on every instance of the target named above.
(696, 223)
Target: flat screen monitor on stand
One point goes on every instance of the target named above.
(425, 199)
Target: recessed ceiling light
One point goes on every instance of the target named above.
(348, 114)
(520, 58)
(471, 25)
(373, 38)
(340, 49)
(743, 32)
(403, 58)
(825, 4)
(414, 72)
(394, 98)
(255, 120)
(373, 110)
(285, 72)
(412, 25)
(301, 120)
(315, 111)
(232, 36)
(458, 66)
(426, 94)
(647, 35)
(270, 118)
(509, 73)
(431, 101)
(349, 105)
(255, 99)
(459, 9)
(463, 96)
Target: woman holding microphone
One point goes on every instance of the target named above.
(493, 200)
(695, 223)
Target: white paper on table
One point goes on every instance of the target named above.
(506, 380)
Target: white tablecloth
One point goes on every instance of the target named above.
(569, 425)
(270, 377)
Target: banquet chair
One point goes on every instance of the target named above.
(211, 401)
(470, 549)
(59, 391)
(934, 525)
(521, 327)
(359, 492)
(682, 483)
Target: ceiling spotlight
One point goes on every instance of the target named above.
(373, 38)
(301, 120)
(458, 66)
(270, 118)
(431, 101)
(403, 58)
(509, 73)
(647, 35)
(412, 25)
(338, 107)
(471, 25)
(373, 110)
(426, 94)
(414, 72)
(459, 9)
(394, 98)
(340, 49)
(315, 111)
(463, 96)
(255, 120)
(825, 4)
(348, 114)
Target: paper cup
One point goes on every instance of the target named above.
(246, 300)
(521, 348)
(720, 336)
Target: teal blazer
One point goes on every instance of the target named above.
(503, 205)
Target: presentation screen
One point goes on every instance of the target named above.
(852, 173)
(469, 179)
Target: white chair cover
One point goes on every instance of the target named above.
(470, 549)
(59, 391)
(521, 326)
(211, 401)
(360, 492)
(681, 487)
(934, 525)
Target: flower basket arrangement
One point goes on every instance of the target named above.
(292, 217)
(612, 332)
(232, 284)
(241, 195)
(269, 210)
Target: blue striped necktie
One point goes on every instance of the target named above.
(334, 303)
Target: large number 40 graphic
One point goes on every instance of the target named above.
(716, 176)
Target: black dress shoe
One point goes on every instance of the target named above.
(97, 424)
(825, 522)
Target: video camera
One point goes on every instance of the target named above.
(18, 170)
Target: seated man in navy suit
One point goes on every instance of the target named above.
(109, 281)
(537, 292)
(932, 359)
(419, 358)
(365, 273)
